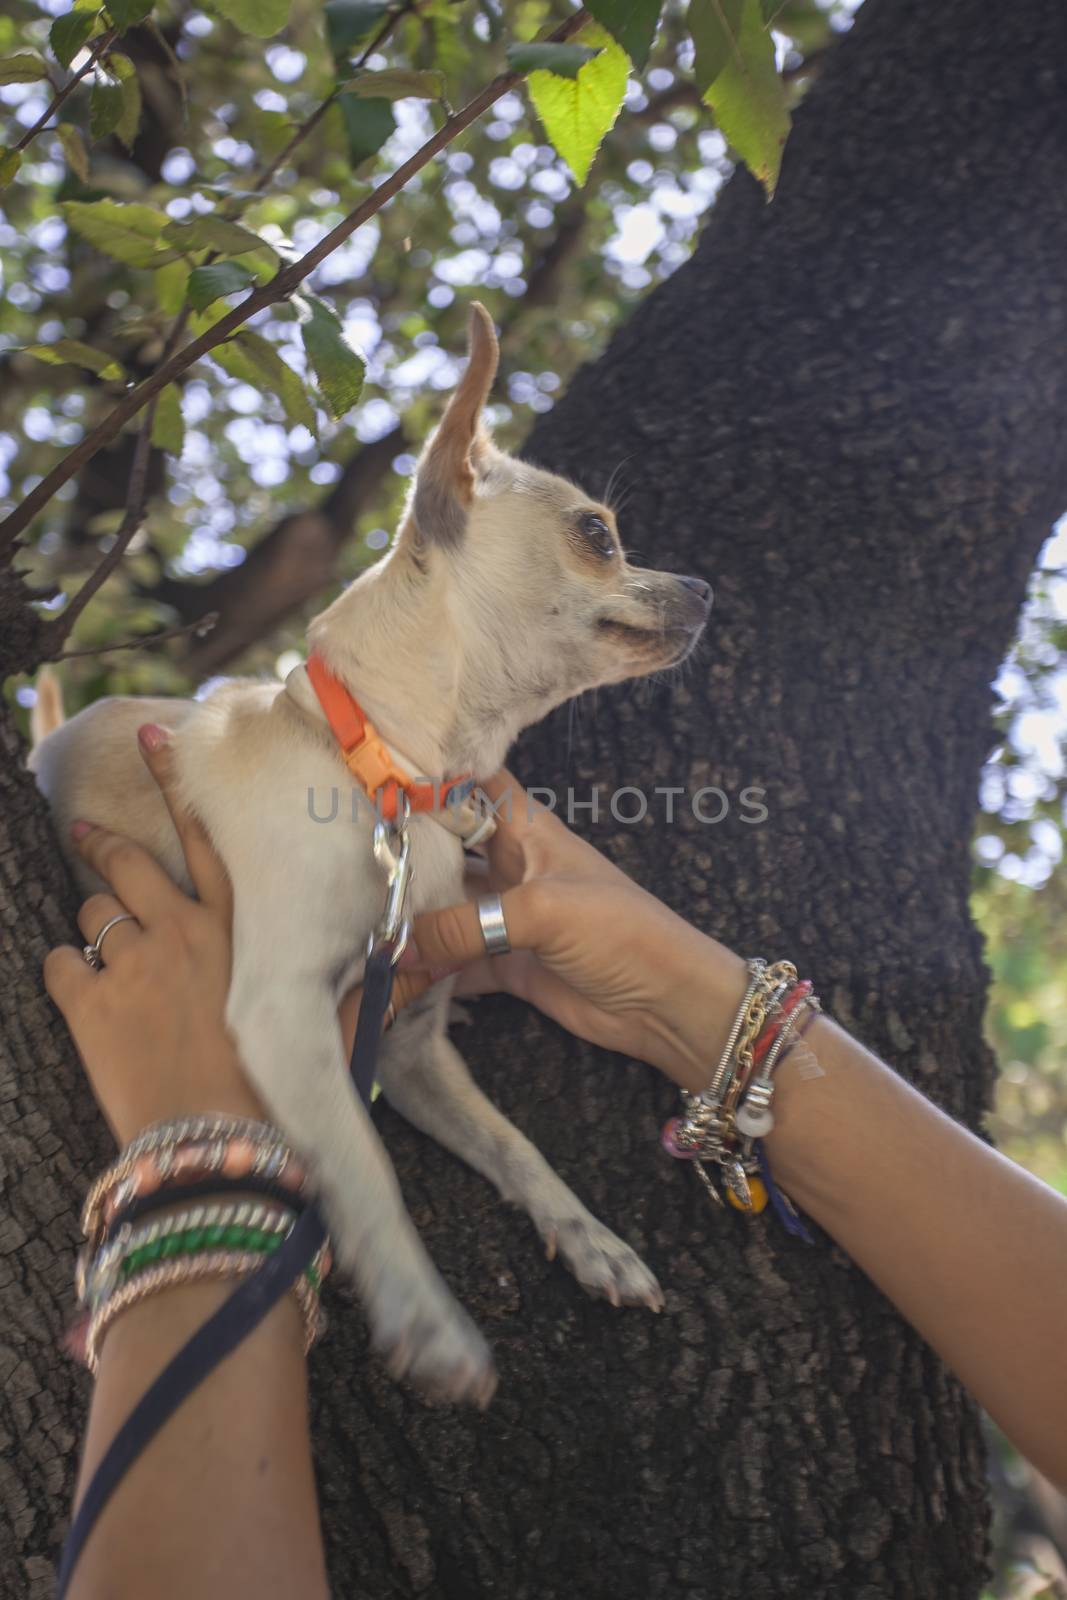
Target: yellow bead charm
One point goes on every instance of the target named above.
(758, 1190)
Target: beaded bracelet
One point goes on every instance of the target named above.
(188, 1150)
(215, 1264)
(726, 1123)
(215, 1188)
(99, 1272)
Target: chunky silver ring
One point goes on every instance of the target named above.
(494, 928)
(91, 952)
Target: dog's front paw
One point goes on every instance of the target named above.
(602, 1262)
(424, 1335)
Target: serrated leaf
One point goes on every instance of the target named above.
(10, 162)
(577, 114)
(349, 21)
(22, 69)
(254, 360)
(337, 365)
(714, 26)
(632, 23)
(212, 282)
(73, 353)
(748, 99)
(171, 283)
(68, 33)
(367, 124)
(216, 233)
(397, 83)
(261, 18)
(565, 60)
(122, 68)
(168, 427)
(74, 149)
(128, 13)
(128, 233)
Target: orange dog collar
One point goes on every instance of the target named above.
(366, 754)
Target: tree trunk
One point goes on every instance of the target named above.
(847, 411)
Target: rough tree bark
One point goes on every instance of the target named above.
(848, 412)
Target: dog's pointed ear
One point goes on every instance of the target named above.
(444, 482)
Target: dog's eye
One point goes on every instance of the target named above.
(598, 533)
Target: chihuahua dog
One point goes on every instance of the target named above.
(504, 593)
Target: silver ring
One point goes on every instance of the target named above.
(494, 928)
(91, 952)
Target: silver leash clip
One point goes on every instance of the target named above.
(392, 852)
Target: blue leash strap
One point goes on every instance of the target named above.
(787, 1213)
(245, 1309)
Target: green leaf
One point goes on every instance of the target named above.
(254, 360)
(105, 109)
(172, 281)
(72, 353)
(397, 83)
(748, 99)
(577, 114)
(349, 21)
(129, 233)
(216, 233)
(22, 69)
(714, 26)
(128, 13)
(337, 365)
(10, 162)
(68, 33)
(261, 18)
(123, 69)
(74, 149)
(769, 9)
(367, 123)
(212, 282)
(632, 23)
(168, 428)
(565, 60)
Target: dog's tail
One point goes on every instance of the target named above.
(47, 714)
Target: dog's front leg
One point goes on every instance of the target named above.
(286, 1027)
(425, 1078)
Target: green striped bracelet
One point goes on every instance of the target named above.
(192, 1241)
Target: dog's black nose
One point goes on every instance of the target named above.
(699, 587)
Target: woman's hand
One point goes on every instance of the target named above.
(589, 948)
(150, 1025)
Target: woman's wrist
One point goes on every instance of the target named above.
(692, 1024)
(829, 1094)
(230, 1095)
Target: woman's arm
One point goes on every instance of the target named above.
(221, 1505)
(971, 1249)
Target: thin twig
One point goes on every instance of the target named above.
(95, 53)
(279, 288)
(132, 519)
(198, 630)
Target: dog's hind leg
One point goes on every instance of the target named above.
(426, 1079)
(286, 1028)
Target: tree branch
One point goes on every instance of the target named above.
(132, 518)
(279, 288)
(380, 38)
(95, 53)
(198, 630)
